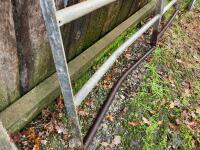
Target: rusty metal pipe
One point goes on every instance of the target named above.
(105, 107)
(169, 22)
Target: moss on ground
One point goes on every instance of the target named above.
(164, 114)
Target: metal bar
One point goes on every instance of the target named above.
(191, 5)
(65, 3)
(105, 107)
(76, 11)
(53, 30)
(169, 6)
(159, 10)
(169, 22)
(81, 95)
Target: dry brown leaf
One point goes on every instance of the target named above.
(44, 142)
(89, 102)
(187, 93)
(174, 104)
(46, 113)
(160, 122)
(105, 144)
(192, 123)
(60, 102)
(30, 134)
(179, 61)
(60, 129)
(82, 113)
(178, 122)
(147, 121)
(172, 126)
(37, 145)
(49, 127)
(134, 124)
(110, 117)
(198, 110)
(15, 137)
(128, 56)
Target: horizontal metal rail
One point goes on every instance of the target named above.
(76, 11)
(168, 6)
(92, 82)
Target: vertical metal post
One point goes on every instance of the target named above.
(53, 30)
(65, 3)
(159, 10)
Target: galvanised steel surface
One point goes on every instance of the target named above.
(65, 3)
(49, 11)
(105, 107)
(76, 11)
(92, 82)
(54, 19)
(191, 5)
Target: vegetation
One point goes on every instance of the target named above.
(165, 114)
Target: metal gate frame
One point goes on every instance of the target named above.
(55, 19)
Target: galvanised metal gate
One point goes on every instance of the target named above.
(55, 19)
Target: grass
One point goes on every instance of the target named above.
(103, 57)
(170, 79)
(164, 108)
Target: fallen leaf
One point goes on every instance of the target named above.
(179, 61)
(89, 102)
(198, 110)
(128, 56)
(105, 144)
(192, 123)
(30, 133)
(134, 124)
(82, 113)
(187, 93)
(125, 110)
(44, 142)
(15, 137)
(60, 102)
(60, 129)
(37, 145)
(160, 122)
(178, 122)
(172, 126)
(174, 104)
(110, 117)
(49, 127)
(147, 121)
(116, 141)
